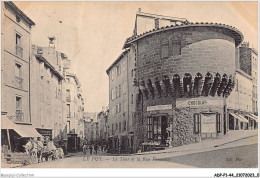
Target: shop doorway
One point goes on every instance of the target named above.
(157, 129)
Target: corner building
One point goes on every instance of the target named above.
(184, 75)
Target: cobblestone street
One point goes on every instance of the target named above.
(237, 153)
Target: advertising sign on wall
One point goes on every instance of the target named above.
(159, 107)
(199, 102)
(208, 123)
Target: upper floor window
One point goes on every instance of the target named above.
(119, 90)
(165, 51)
(123, 65)
(112, 74)
(112, 94)
(176, 48)
(124, 106)
(18, 40)
(119, 126)
(132, 73)
(19, 113)
(18, 103)
(124, 87)
(118, 69)
(116, 92)
(18, 70)
(18, 46)
(67, 92)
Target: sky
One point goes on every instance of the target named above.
(92, 34)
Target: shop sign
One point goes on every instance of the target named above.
(44, 131)
(197, 102)
(159, 107)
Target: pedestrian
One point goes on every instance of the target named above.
(40, 148)
(84, 148)
(96, 148)
(90, 149)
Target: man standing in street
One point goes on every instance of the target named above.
(90, 149)
(96, 148)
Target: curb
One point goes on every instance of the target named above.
(215, 146)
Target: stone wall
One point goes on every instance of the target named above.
(203, 49)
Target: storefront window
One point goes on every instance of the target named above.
(150, 128)
(156, 128)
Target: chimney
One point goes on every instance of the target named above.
(52, 41)
(139, 9)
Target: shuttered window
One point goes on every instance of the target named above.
(218, 119)
(165, 51)
(197, 123)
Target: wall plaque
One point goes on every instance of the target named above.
(198, 102)
(159, 107)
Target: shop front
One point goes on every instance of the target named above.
(237, 121)
(208, 117)
(73, 143)
(158, 121)
(253, 121)
(46, 133)
(13, 138)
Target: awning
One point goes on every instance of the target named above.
(6, 123)
(239, 117)
(22, 130)
(26, 131)
(254, 117)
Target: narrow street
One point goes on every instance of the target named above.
(237, 154)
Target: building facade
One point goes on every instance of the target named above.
(102, 126)
(122, 102)
(47, 107)
(15, 78)
(248, 61)
(74, 104)
(90, 127)
(15, 63)
(239, 103)
(184, 74)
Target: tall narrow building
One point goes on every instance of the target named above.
(122, 98)
(46, 83)
(16, 49)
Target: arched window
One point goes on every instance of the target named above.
(176, 85)
(207, 84)
(187, 84)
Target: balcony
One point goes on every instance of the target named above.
(18, 82)
(19, 116)
(19, 51)
(68, 98)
